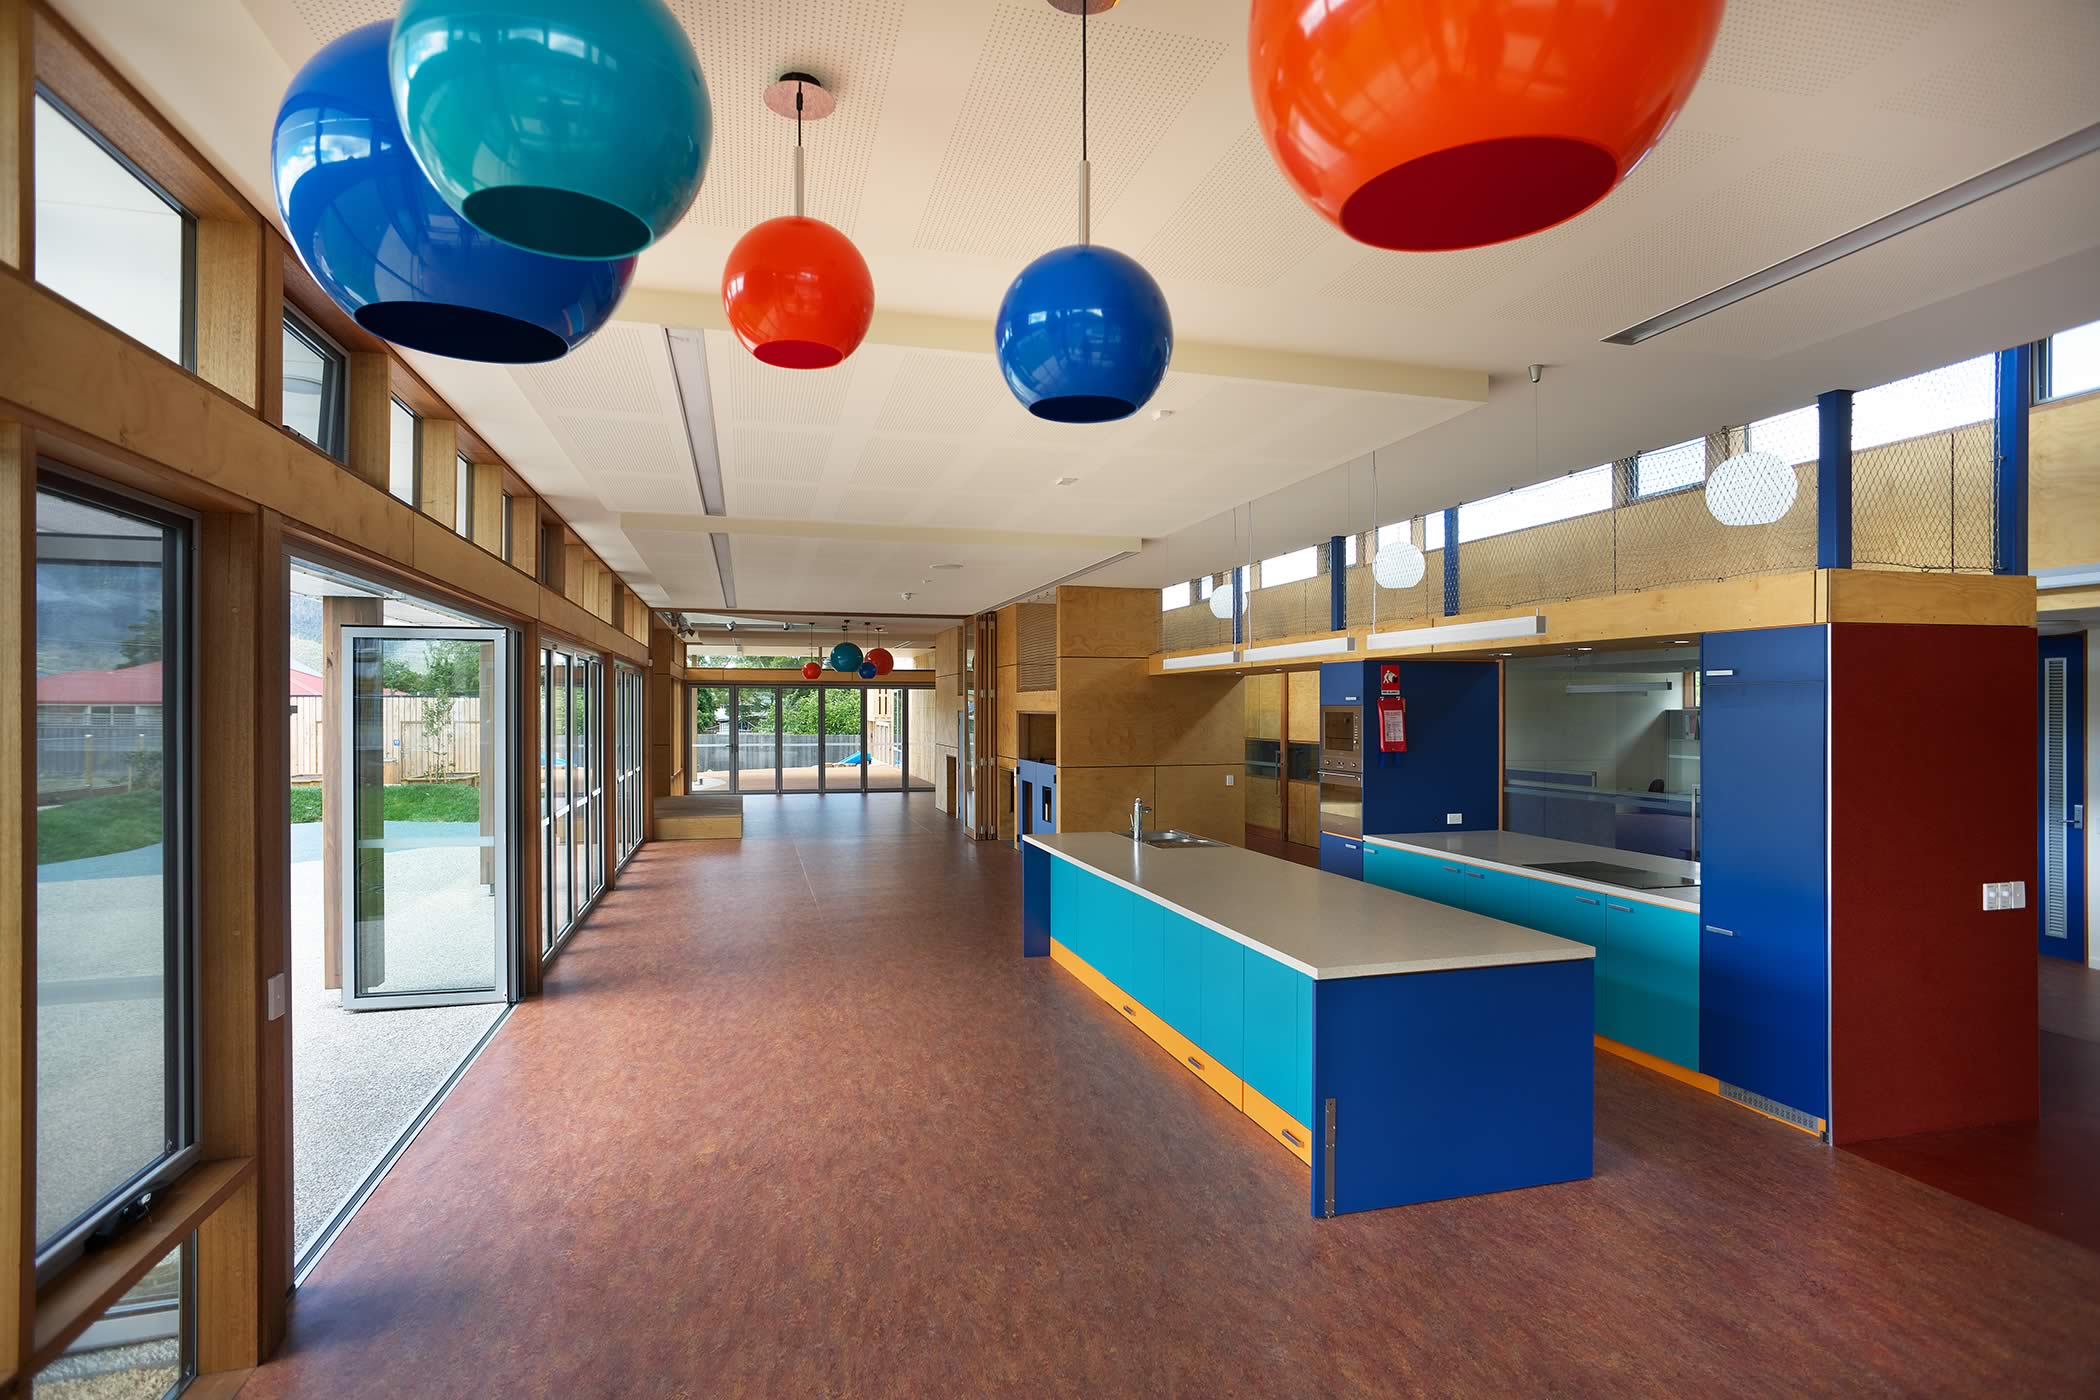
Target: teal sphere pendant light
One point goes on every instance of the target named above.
(577, 128)
(1084, 334)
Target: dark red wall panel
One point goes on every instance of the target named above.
(1932, 793)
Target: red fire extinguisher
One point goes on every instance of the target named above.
(1392, 712)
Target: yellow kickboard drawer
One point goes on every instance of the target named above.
(1278, 1124)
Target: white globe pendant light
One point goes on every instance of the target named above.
(1221, 603)
(1751, 488)
(1398, 565)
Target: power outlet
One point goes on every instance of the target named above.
(2008, 894)
(1454, 818)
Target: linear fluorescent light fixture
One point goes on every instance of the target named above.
(1287, 651)
(2076, 576)
(1993, 181)
(1617, 687)
(1208, 658)
(1493, 630)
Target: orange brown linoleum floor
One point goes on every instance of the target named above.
(796, 1119)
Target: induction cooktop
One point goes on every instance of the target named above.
(1604, 872)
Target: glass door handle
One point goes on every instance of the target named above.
(2077, 816)
(1724, 932)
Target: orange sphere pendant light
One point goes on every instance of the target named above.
(797, 291)
(1429, 125)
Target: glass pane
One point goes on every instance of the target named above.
(886, 739)
(757, 728)
(425, 905)
(926, 767)
(548, 925)
(841, 752)
(1795, 438)
(306, 378)
(1666, 469)
(105, 240)
(1926, 403)
(711, 737)
(1563, 498)
(558, 860)
(401, 454)
(2074, 361)
(135, 1350)
(106, 984)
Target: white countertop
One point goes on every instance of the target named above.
(1323, 925)
(1515, 851)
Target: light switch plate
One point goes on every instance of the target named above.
(1228, 779)
(1454, 818)
(2007, 894)
(275, 992)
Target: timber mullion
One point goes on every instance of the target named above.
(18, 890)
(17, 142)
(437, 470)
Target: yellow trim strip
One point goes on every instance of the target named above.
(1697, 1080)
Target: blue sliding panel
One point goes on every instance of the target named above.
(1451, 1083)
(1278, 1044)
(1037, 880)
(1180, 1002)
(1764, 947)
(1224, 992)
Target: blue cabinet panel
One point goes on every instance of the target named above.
(1143, 962)
(1342, 683)
(1763, 955)
(1339, 855)
(1277, 1048)
(1453, 758)
(1180, 1002)
(1224, 990)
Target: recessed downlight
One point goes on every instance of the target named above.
(944, 566)
(1066, 481)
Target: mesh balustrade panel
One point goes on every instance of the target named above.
(1926, 500)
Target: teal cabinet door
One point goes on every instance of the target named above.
(1378, 862)
(1570, 913)
(1180, 1002)
(1423, 877)
(1088, 892)
(1118, 907)
(1224, 989)
(1498, 894)
(1277, 1042)
(1647, 980)
(1143, 962)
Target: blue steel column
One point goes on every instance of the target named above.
(1451, 562)
(1238, 592)
(1337, 585)
(2009, 485)
(1834, 479)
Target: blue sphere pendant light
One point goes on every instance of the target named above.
(1083, 334)
(572, 127)
(386, 249)
(867, 671)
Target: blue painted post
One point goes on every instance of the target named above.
(1834, 479)
(1451, 562)
(1239, 623)
(2009, 486)
(1337, 584)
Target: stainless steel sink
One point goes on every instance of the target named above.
(1171, 839)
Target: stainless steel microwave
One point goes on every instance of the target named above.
(1341, 739)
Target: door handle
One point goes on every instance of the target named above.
(2077, 817)
(1194, 1063)
(1290, 1137)
(1620, 908)
(1448, 869)
(1584, 899)
(1128, 1012)
(1724, 932)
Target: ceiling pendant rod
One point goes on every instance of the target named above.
(1085, 172)
(798, 149)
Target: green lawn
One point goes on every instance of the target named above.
(98, 826)
(405, 802)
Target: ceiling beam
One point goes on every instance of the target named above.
(633, 521)
(677, 309)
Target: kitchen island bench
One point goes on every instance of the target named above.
(1404, 1050)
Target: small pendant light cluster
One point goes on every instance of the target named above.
(847, 658)
(474, 179)
(1083, 334)
(1430, 125)
(797, 292)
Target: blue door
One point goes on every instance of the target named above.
(2060, 909)
(1763, 954)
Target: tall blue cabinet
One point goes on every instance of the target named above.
(1764, 987)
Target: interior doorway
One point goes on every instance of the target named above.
(2061, 908)
(402, 874)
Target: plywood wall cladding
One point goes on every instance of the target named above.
(1098, 799)
(2063, 455)
(1207, 798)
(1107, 622)
(1104, 709)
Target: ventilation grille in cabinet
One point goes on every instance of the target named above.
(1772, 1108)
(2056, 797)
(1037, 646)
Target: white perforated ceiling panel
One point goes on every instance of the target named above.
(1803, 48)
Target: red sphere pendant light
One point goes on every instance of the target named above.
(797, 291)
(1429, 125)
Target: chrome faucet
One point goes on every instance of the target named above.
(1138, 809)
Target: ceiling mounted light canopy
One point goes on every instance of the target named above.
(1083, 334)
(1751, 488)
(381, 243)
(577, 128)
(796, 290)
(1430, 125)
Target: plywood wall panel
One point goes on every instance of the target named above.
(1303, 715)
(1209, 799)
(1107, 622)
(2063, 506)
(1105, 712)
(1098, 799)
(1198, 720)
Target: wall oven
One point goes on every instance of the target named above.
(1342, 805)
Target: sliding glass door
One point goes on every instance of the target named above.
(572, 785)
(627, 760)
(427, 904)
(755, 749)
